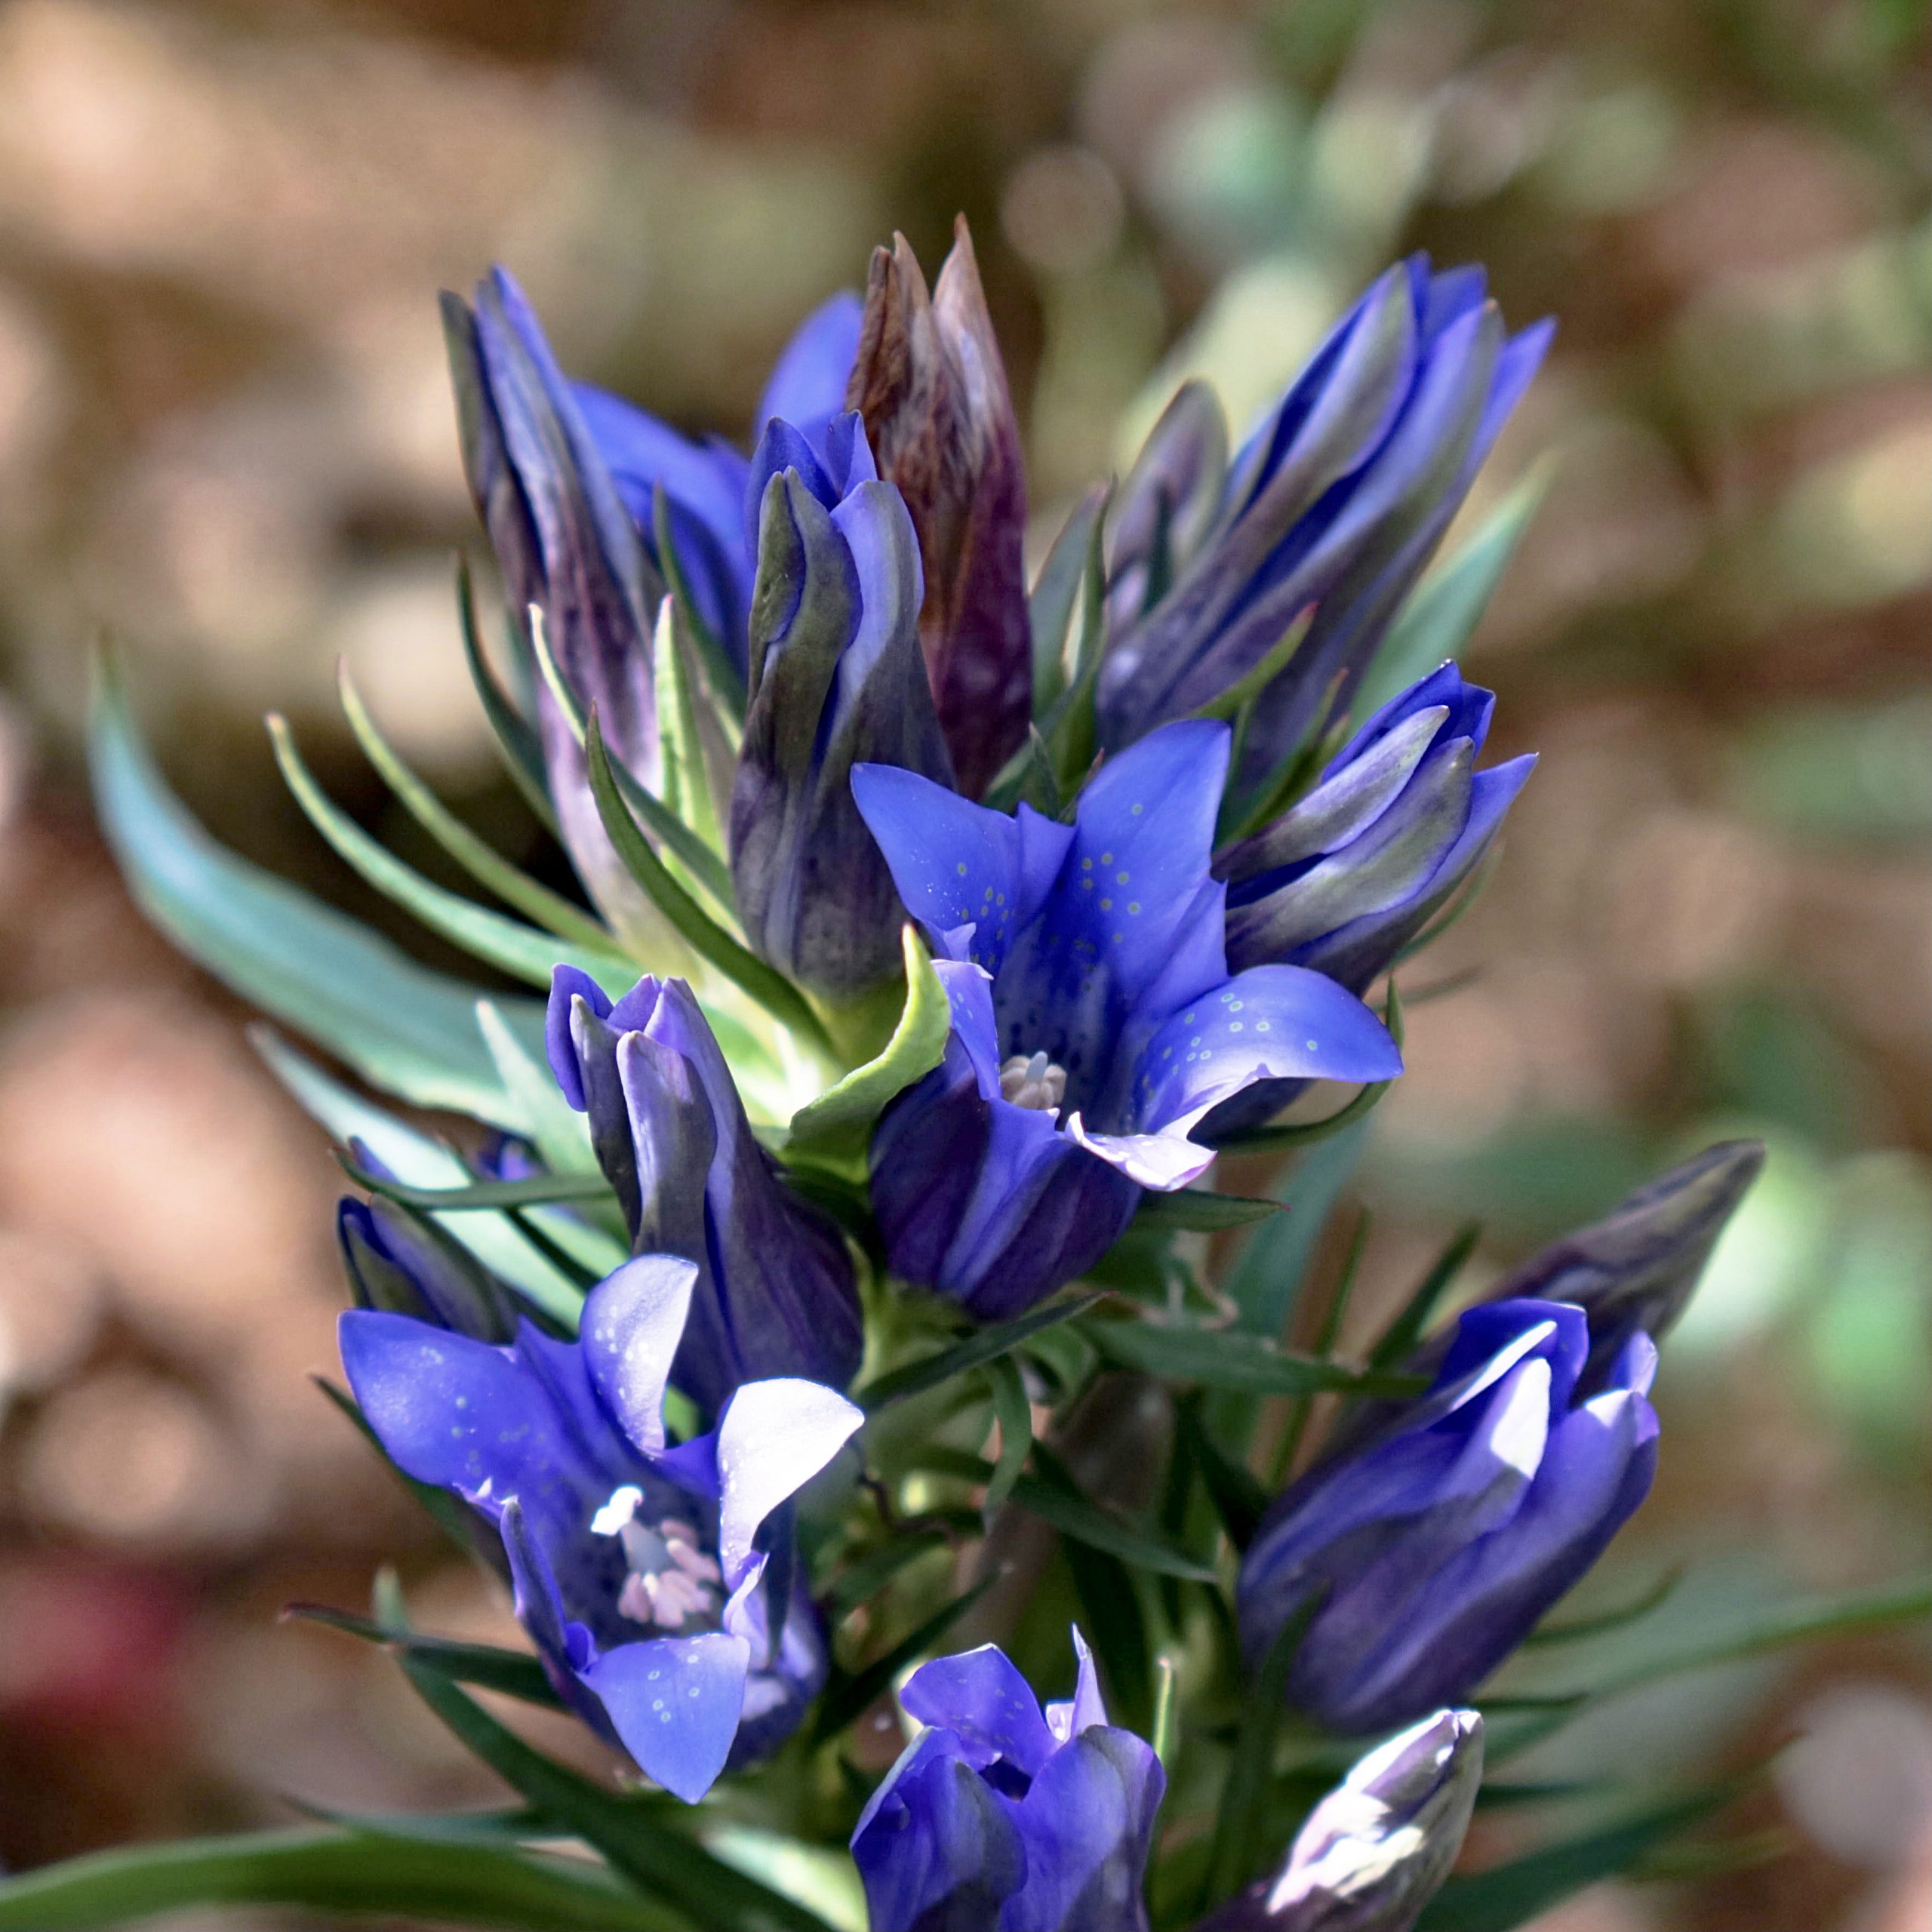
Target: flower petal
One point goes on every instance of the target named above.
(981, 1696)
(632, 1324)
(674, 1703)
(773, 1438)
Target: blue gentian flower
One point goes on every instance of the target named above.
(775, 1294)
(1431, 1546)
(1336, 501)
(642, 1570)
(707, 485)
(836, 677)
(1094, 1023)
(1375, 1851)
(928, 379)
(1004, 1816)
(1347, 876)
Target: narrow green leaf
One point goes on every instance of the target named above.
(1238, 1498)
(517, 741)
(687, 771)
(1074, 1515)
(331, 1872)
(487, 865)
(515, 1673)
(864, 1579)
(1241, 696)
(1113, 1611)
(1239, 1851)
(1231, 1359)
(837, 1125)
(1198, 1210)
(416, 1161)
(661, 1862)
(1069, 729)
(1050, 604)
(1512, 1895)
(1442, 614)
(983, 1346)
(846, 1696)
(1165, 1736)
(404, 1028)
(704, 865)
(1400, 1338)
(776, 994)
(521, 951)
(1014, 1412)
(1578, 1629)
(728, 688)
(1290, 1445)
(526, 1191)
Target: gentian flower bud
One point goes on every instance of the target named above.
(1430, 1546)
(639, 1569)
(1336, 500)
(1351, 871)
(401, 1264)
(836, 677)
(775, 1294)
(1003, 1815)
(566, 545)
(1636, 1269)
(1377, 1848)
(1094, 1023)
(928, 380)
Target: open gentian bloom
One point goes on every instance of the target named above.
(1336, 501)
(836, 677)
(775, 1294)
(1094, 1023)
(1431, 1546)
(1347, 876)
(644, 1573)
(1377, 1848)
(1004, 1816)
(705, 484)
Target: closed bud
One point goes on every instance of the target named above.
(1336, 501)
(929, 384)
(1377, 1848)
(836, 679)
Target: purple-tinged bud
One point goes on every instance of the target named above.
(1431, 1545)
(1350, 873)
(1377, 1848)
(929, 384)
(836, 679)
(1336, 500)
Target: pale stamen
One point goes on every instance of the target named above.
(1033, 1081)
(672, 1581)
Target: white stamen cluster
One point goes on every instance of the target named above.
(672, 1582)
(1033, 1081)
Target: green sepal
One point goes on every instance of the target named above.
(1050, 603)
(516, 738)
(771, 990)
(837, 1127)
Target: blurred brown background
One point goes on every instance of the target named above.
(225, 438)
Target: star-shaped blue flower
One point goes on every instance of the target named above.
(1094, 1023)
(639, 1568)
